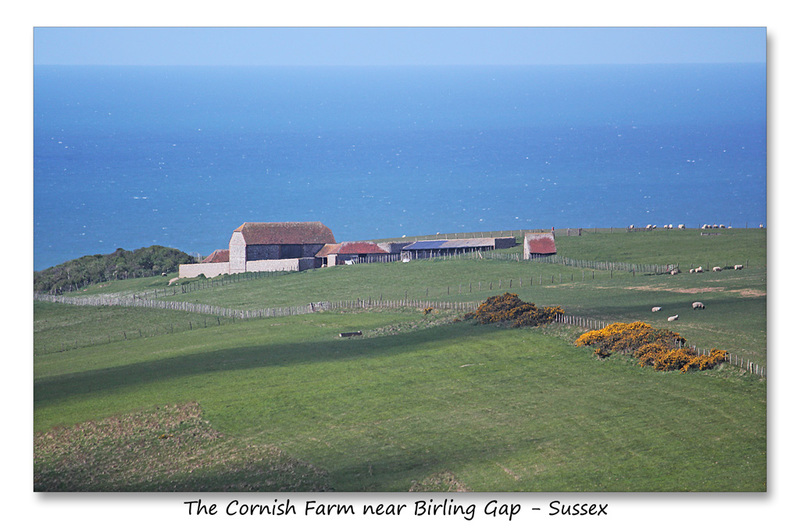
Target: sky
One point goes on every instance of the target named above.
(361, 46)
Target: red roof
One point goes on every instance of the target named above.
(542, 243)
(286, 233)
(346, 248)
(218, 256)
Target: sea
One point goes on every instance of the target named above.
(132, 156)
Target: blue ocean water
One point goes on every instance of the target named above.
(180, 156)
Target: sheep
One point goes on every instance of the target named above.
(738, 267)
(698, 305)
(672, 318)
(655, 309)
(681, 226)
(699, 270)
(674, 272)
(717, 269)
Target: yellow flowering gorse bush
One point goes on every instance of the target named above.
(660, 348)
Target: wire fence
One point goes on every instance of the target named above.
(367, 303)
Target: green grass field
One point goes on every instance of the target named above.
(418, 402)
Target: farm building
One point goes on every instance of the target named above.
(265, 247)
(538, 244)
(344, 252)
(423, 249)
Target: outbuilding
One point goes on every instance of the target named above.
(539, 244)
(352, 252)
(435, 248)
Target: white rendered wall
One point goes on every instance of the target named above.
(208, 269)
(237, 254)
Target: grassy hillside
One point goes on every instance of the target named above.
(418, 402)
(484, 407)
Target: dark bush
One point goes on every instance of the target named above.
(508, 308)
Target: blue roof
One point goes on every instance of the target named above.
(451, 243)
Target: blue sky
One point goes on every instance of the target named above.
(395, 46)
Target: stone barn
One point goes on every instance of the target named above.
(272, 241)
(539, 244)
(265, 247)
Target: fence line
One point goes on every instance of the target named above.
(256, 313)
(463, 306)
(605, 265)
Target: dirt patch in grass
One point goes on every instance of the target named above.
(440, 482)
(744, 292)
(750, 293)
(171, 448)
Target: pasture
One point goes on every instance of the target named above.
(419, 402)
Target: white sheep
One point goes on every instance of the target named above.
(717, 269)
(698, 305)
(738, 267)
(655, 309)
(699, 270)
(681, 226)
(674, 272)
(672, 318)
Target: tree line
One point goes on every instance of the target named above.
(98, 268)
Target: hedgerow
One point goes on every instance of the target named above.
(662, 349)
(508, 308)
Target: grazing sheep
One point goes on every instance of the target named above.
(672, 318)
(698, 305)
(717, 269)
(655, 309)
(738, 267)
(699, 270)
(674, 272)
(681, 226)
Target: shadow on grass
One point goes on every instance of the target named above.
(55, 388)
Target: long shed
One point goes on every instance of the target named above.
(422, 249)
